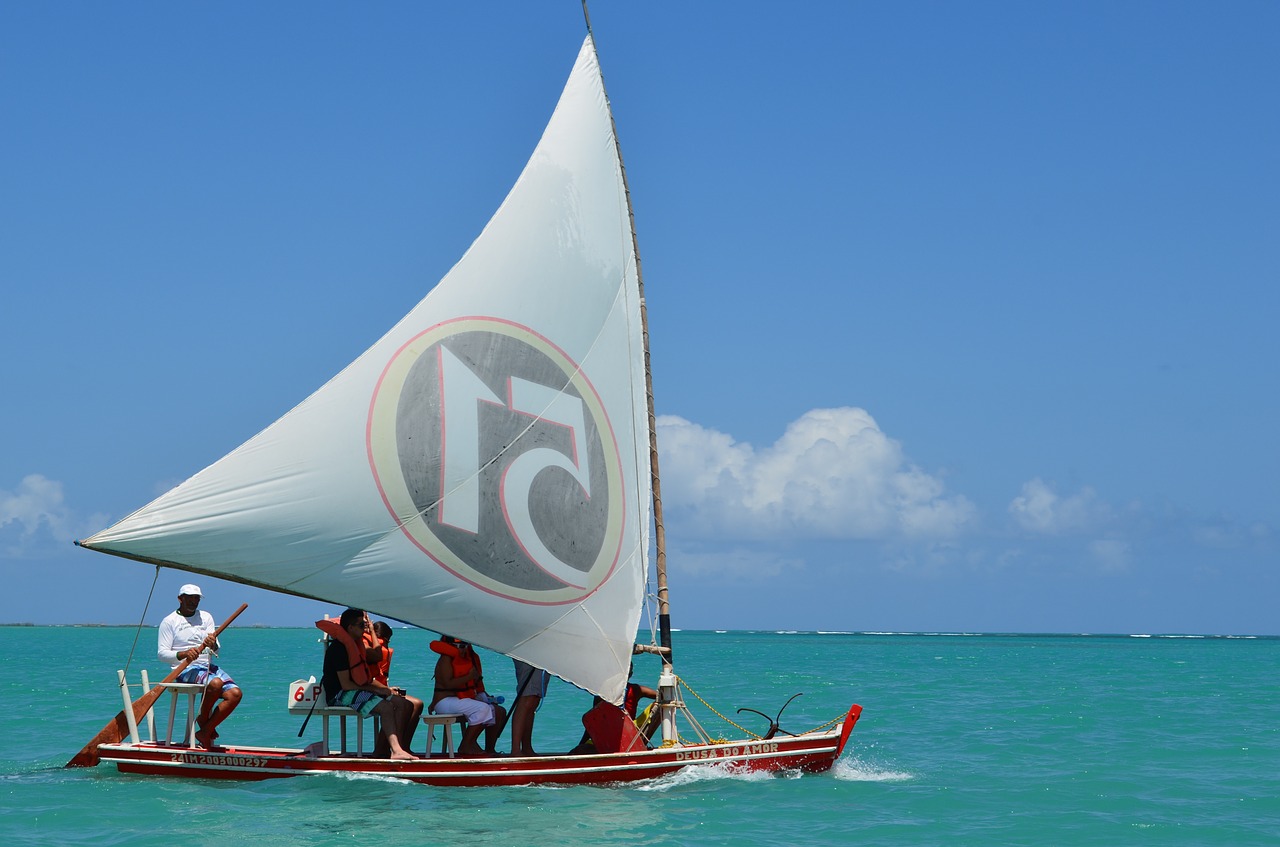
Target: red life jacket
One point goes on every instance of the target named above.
(631, 699)
(361, 673)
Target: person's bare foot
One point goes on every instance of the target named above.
(206, 738)
(402, 757)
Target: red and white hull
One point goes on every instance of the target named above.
(813, 752)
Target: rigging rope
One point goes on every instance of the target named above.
(138, 631)
(741, 728)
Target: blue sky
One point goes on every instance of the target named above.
(963, 315)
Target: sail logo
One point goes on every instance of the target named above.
(495, 455)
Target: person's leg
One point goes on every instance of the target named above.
(492, 733)
(212, 694)
(394, 712)
(470, 741)
(224, 708)
(415, 715)
(522, 725)
(220, 700)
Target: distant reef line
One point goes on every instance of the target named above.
(820, 633)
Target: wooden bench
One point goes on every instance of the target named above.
(304, 693)
(342, 713)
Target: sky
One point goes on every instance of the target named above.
(962, 315)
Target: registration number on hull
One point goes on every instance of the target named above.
(217, 759)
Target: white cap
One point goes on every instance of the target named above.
(190, 590)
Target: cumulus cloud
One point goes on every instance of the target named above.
(832, 474)
(34, 515)
(1041, 510)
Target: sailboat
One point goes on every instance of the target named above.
(488, 468)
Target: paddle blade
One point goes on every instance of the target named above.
(110, 734)
(117, 728)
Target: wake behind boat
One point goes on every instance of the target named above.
(488, 468)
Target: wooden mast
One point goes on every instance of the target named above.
(659, 532)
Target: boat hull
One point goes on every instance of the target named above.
(812, 752)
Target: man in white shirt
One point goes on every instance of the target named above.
(188, 634)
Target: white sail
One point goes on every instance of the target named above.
(482, 470)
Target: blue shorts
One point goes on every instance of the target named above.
(359, 700)
(203, 673)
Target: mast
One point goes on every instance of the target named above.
(659, 531)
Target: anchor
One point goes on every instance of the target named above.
(774, 728)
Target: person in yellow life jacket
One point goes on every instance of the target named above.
(460, 690)
(348, 681)
(379, 658)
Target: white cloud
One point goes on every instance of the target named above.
(1039, 509)
(35, 504)
(832, 474)
(34, 515)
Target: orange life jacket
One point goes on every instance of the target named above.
(382, 670)
(462, 665)
(361, 672)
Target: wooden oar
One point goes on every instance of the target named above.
(119, 727)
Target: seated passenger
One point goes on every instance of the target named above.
(379, 658)
(460, 688)
(348, 682)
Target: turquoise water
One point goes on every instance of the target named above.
(1037, 740)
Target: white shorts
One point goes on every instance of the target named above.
(478, 713)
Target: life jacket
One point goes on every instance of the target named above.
(361, 673)
(631, 700)
(382, 670)
(462, 665)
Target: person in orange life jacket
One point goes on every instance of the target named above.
(348, 682)
(380, 665)
(630, 703)
(382, 670)
(460, 689)
(188, 634)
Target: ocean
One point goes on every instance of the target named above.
(965, 739)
